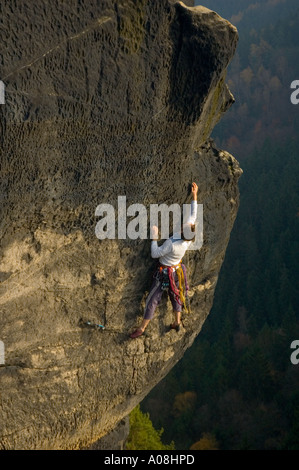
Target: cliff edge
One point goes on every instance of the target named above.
(102, 99)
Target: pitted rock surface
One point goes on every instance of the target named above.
(103, 99)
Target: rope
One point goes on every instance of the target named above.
(181, 291)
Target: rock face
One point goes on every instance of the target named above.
(102, 99)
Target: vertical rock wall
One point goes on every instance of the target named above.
(103, 99)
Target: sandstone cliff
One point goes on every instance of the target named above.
(102, 99)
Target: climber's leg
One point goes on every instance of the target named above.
(177, 317)
(177, 308)
(152, 301)
(176, 325)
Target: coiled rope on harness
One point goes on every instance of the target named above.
(180, 291)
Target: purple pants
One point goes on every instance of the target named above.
(154, 298)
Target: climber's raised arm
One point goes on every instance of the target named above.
(158, 251)
(194, 191)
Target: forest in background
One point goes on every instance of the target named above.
(236, 388)
(260, 74)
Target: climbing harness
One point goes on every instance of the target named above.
(181, 291)
(165, 279)
(166, 275)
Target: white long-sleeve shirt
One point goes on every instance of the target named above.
(174, 248)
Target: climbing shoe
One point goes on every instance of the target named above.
(136, 333)
(175, 327)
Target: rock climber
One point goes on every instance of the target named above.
(170, 273)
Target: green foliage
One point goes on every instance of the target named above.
(143, 436)
(207, 442)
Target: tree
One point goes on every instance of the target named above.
(247, 75)
(143, 435)
(207, 442)
(184, 402)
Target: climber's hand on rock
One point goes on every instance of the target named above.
(154, 232)
(194, 190)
